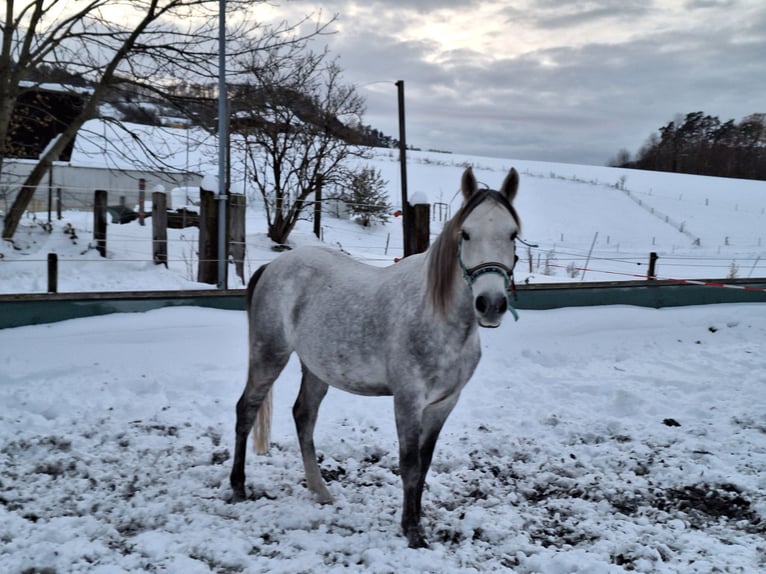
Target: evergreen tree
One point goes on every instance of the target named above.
(366, 197)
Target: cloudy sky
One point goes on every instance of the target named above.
(549, 80)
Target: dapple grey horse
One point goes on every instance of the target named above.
(409, 331)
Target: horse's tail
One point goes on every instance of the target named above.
(262, 426)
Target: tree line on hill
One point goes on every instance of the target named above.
(703, 145)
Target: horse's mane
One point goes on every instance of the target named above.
(443, 259)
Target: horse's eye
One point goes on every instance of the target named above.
(514, 235)
(464, 235)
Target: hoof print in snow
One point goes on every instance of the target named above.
(220, 456)
(332, 474)
(704, 504)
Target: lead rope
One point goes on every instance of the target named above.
(510, 295)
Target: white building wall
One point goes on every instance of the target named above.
(78, 183)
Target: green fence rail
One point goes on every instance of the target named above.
(35, 309)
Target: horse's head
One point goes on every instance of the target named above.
(486, 228)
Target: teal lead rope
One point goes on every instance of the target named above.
(510, 294)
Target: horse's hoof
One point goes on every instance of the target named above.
(238, 494)
(415, 538)
(325, 500)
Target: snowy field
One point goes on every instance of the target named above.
(590, 440)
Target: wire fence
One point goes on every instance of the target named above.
(132, 245)
(183, 258)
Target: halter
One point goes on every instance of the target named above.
(471, 274)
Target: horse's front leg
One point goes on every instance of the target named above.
(434, 417)
(418, 430)
(408, 427)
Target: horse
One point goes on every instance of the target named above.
(409, 331)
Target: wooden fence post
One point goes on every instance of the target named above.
(652, 274)
(236, 234)
(53, 272)
(159, 228)
(58, 203)
(421, 227)
(142, 202)
(207, 269)
(99, 220)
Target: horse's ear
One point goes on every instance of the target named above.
(468, 183)
(510, 184)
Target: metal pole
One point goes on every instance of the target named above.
(587, 261)
(406, 208)
(222, 140)
(318, 207)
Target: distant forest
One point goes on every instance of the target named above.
(700, 144)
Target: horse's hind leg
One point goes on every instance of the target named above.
(261, 375)
(305, 411)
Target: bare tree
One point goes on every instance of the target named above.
(294, 124)
(147, 43)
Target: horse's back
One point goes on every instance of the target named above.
(334, 312)
(312, 271)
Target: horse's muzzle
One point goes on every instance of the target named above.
(490, 309)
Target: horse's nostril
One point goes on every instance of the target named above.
(481, 304)
(502, 306)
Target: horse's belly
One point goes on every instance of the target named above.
(346, 350)
(367, 389)
(353, 376)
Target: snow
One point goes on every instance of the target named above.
(210, 182)
(590, 440)
(418, 198)
(562, 455)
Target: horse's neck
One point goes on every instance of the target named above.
(460, 306)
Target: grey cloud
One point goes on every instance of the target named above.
(555, 14)
(701, 4)
(563, 103)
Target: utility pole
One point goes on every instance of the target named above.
(407, 210)
(222, 144)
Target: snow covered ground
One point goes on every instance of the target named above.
(590, 440)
